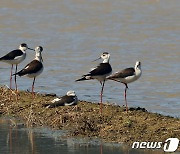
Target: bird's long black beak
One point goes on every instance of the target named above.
(41, 57)
(31, 49)
(96, 59)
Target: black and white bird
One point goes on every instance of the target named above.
(34, 68)
(69, 99)
(126, 76)
(14, 58)
(100, 73)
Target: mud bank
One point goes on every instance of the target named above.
(84, 120)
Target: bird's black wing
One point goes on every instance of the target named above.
(11, 55)
(101, 69)
(122, 74)
(63, 100)
(31, 68)
(67, 99)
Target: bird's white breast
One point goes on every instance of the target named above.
(16, 60)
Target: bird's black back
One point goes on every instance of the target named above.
(123, 74)
(32, 67)
(11, 55)
(64, 99)
(101, 69)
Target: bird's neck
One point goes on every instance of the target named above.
(138, 71)
(22, 49)
(106, 61)
(38, 57)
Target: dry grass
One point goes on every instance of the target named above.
(114, 125)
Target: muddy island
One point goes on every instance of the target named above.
(84, 120)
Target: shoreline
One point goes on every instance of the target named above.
(84, 120)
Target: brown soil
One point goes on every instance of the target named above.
(114, 125)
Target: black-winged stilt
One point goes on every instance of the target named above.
(34, 68)
(126, 76)
(14, 58)
(68, 100)
(99, 73)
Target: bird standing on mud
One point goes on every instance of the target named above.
(99, 73)
(34, 68)
(68, 100)
(14, 58)
(126, 76)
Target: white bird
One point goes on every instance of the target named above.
(126, 76)
(99, 73)
(14, 58)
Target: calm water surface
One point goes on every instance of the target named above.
(73, 33)
(20, 140)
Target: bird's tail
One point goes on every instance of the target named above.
(112, 78)
(109, 78)
(84, 78)
(2, 58)
(20, 73)
(47, 105)
(52, 105)
(16, 74)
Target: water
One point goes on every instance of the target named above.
(73, 33)
(20, 140)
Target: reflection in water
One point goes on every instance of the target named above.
(73, 33)
(31, 139)
(101, 149)
(10, 139)
(15, 139)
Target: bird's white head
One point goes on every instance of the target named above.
(105, 56)
(71, 93)
(138, 65)
(38, 51)
(24, 47)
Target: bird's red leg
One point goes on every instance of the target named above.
(125, 96)
(16, 83)
(11, 77)
(33, 87)
(15, 77)
(100, 83)
(101, 96)
(11, 82)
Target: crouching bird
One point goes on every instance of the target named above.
(68, 100)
